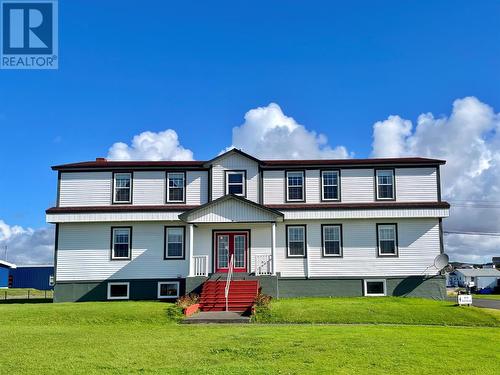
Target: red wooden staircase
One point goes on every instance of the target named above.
(241, 296)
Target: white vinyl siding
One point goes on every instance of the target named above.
(235, 162)
(313, 186)
(149, 188)
(418, 241)
(416, 185)
(197, 187)
(274, 187)
(230, 211)
(84, 253)
(85, 189)
(357, 185)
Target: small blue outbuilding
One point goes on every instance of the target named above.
(31, 276)
(5, 270)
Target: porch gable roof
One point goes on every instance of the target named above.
(231, 209)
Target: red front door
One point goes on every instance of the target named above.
(229, 244)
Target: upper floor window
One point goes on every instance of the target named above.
(387, 238)
(332, 240)
(174, 242)
(295, 186)
(122, 188)
(121, 241)
(175, 186)
(296, 240)
(330, 185)
(235, 182)
(385, 183)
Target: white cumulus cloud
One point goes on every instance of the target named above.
(149, 145)
(26, 245)
(469, 140)
(268, 133)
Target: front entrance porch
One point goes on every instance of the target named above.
(228, 228)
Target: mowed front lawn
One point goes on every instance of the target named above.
(145, 337)
(376, 310)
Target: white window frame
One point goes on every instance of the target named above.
(160, 283)
(393, 184)
(365, 281)
(183, 187)
(323, 227)
(115, 189)
(302, 186)
(129, 243)
(118, 283)
(304, 228)
(243, 182)
(183, 230)
(396, 249)
(323, 185)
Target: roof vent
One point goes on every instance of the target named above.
(101, 160)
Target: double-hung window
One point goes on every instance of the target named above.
(235, 182)
(174, 242)
(121, 242)
(175, 186)
(385, 184)
(387, 238)
(330, 185)
(122, 188)
(332, 240)
(296, 240)
(295, 186)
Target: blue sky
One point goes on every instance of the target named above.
(198, 67)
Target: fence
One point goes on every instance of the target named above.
(25, 294)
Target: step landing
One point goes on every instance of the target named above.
(217, 317)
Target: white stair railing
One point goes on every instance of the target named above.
(263, 265)
(201, 265)
(228, 281)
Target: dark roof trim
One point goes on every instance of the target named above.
(413, 161)
(111, 165)
(358, 206)
(118, 208)
(232, 151)
(103, 164)
(271, 210)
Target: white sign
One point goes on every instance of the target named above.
(464, 299)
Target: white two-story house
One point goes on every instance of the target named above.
(160, 229)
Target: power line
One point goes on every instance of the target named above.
(494, 234)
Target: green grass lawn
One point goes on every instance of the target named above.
(376, 310)
(144, 337)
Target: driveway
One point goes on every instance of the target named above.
(488, 303)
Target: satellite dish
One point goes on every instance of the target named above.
(441, 261)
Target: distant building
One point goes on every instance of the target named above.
(5, 268)
(496, 261)
(32, 276)
(452, 279)
(481, 277)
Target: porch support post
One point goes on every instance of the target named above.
(273, 247)
(191, 242)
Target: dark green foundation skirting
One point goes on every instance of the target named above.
(411, 286)
(147, 289)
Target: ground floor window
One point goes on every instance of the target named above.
(374, 288)
(168, 289)
(118, 290)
